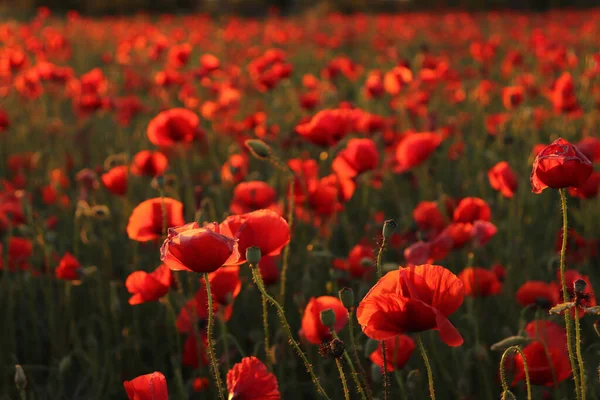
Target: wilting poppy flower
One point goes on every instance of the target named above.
(115, 180)
(181, 250)
(412, 299)
(146, 220)
(503, 179)
(471, 209)
(312, 328)
(544, 366)
(170, 127)
(360, 155)
(542, 294)
(252, 196)
(250, 230)
(589, 297)
(149, 286)
(559, 165)
(397, 350)
(147, 387)
(480, 282)
(250, 380)
(415, 148)
(149, 163)
(68, 268)
(588, 189)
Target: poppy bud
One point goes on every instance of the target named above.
(328, 317)
(258, 148)
(370, 347)
(346, 296)
(20, 378)
(253, 255)
(389, 227)
(579, 286)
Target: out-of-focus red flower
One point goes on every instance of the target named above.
(147, 219)
(412, 299)
(149, 163)
(429, 217)
(374, 86)
(68, 268)
(480, 282)
(19, 252)
(512, 96)
(4, 121)
(174, 126)
(578, 248)
(494, 122)
(250, 230)
(559, 165)
(250, 380)
(360, 155)
(328, 127)
(115, 180)
(147, 387)
(397, 350)
(471, 209)
(151, 286)
(360, 262)
(252, 196)
(225, 286)
(181, 248)
(588, 189)
(415, 148)
(590, 147)
(397, 78)
(179, 55)
(235, 168)
(200, 384)
(503, 179)
(542, 294)
(192, 356)
(563, 96)
(269, 270)
(312, 328)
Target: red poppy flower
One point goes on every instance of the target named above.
(590, 147)
(181, 248)
(235, 169)
(374, 84)
(312, 328)
(494, 122)
(588, 189)
(200, 384)
(559, 165)
(269, 270)
(480, 282)
(115, 180)
(19, 252)
(360, 262)
(328, 127)
(177, 125)
(397, 78)
(250, 230)
(146, 220)
(415, 148)
(397, 350)
(538, 293)
(503, 179)
(571, 276)
(512, 96)
(68, 268)
(360, 155)
(147, 387)
(149, 163)
(252, 196)
(471, 209)
(250, 380)
(412, 299)
(429, 217)
(543, 369)
(149, 286)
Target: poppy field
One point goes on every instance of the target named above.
(317, 206)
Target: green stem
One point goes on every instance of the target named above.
(340, 368)
(383, 347)
(22, 394)
(261, 287)
(563, 251)
(400, 384)
(211, 351)
(265, 312)
(363, 374)
(516, 349)
(286, 251)
(427, 366)
(579, 354)
(355, 378)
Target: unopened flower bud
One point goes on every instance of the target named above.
(328, 317)
(258, 148)
(253, 255)
(20, 378)
(389, 227)
(346, 296)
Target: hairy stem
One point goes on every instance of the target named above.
(211, 351)
(516, 349)
(427, 367)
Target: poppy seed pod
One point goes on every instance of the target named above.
(389, 227)
(346, 296)
(253, 255)
(579, 286)
(20, 378)
(328, 317)
(336, 347)
(258, 148)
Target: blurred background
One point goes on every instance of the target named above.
(260, 7)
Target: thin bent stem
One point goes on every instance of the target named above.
(427, 366)
(211, 351)
(568, 325)
(579, 355)
(383, 349)
(261, 287)
(340, 368)
(516, 349)
(355, 378)
(265, 312)
(286, 251)
(400, 384)
(355, 354)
